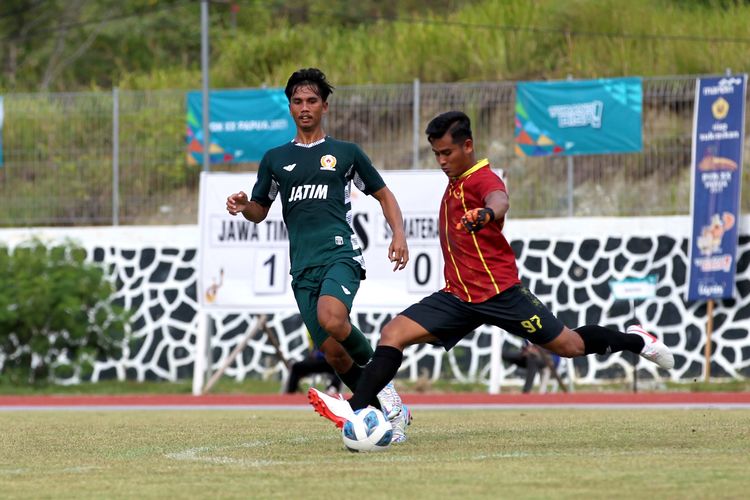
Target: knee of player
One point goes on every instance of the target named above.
(391, 335)
(570, 349)
(570, 353)
(568, 344)
(335, 325)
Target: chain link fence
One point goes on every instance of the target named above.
(60, 168)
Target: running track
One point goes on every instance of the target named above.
(417, 401)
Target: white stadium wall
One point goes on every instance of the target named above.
(567, 263)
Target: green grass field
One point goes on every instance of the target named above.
(294, 454)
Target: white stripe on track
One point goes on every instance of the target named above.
(421, 407)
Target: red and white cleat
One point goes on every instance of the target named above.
(654, 349)
(335, 409)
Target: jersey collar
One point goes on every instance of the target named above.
(477, 166)
(312, 144)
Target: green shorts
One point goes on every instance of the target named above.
(339, 279)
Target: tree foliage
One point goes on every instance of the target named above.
(56, 314)
(63, 45)
(67, 45)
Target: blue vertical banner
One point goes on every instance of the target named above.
(243, 124)
(579, 117)
(718, 137)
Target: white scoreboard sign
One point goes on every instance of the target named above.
(245, 266)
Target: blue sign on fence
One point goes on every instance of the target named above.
(243, 124)
(634, 288)
(718, 136)
(578, 117)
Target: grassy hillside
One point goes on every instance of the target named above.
(483, 41)
(73, 45)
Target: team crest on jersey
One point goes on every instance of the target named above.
(328, 162)
(455, 191)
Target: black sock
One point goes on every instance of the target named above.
(600, 340)
(379, 371)
(352, 377)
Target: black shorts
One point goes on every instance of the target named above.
(515, 310)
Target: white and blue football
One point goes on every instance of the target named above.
(367, 430)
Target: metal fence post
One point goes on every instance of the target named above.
(204, 71)
(115, 156)
(570, 185)
(415, 125)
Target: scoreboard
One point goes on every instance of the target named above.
(245, 266)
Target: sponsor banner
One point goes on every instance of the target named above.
(245, 266)
(634, 288)
(243, 124)
(718, 137)
(578, 117)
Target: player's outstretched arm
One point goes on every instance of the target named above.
(398, 250)
(496, 205)
(238, 203)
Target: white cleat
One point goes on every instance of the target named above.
(653, 349)
(390, 401)
(394, 410)
(399, 423)
(335, 409)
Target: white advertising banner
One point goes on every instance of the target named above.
(245, 266)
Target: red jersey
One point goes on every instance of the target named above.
(478, 265)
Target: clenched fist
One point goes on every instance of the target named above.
(475, 219)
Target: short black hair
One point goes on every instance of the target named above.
(312, 77)
(455, 122)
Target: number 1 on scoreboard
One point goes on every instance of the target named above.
(269, 271)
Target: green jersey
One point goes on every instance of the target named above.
(314, 184)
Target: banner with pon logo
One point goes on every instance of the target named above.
(243, 124)
(579, 117)
(718, 137)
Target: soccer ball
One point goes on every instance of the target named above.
(367, 430)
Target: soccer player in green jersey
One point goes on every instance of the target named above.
(312, 175)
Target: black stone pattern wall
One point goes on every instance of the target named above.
(569, 276)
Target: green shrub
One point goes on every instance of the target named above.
(56, 314)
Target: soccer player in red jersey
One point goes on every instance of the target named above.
(481, 281)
